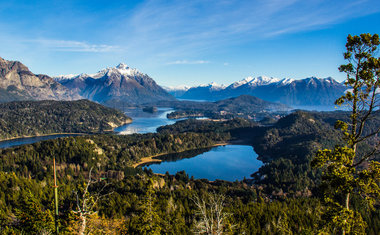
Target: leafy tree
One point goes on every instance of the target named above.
(352, 168)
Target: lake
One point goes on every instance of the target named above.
(30, 140)
(230, 162)
(144, 122)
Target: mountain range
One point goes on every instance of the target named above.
(18, 83)
(125, 85)
(118, 84)
(309, 91)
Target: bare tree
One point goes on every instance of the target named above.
(210, 216)
(87, 201)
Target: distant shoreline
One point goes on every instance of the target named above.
(69, 133)
(34, 136)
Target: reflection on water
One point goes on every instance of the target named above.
(144, 122)
(230, 162)
(173, 157)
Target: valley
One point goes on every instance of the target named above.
(286, 149)
(176, 117)
(131, 158)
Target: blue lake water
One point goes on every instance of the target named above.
(30, 140)
(144, 122)
(230, 162)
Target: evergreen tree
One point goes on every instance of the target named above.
(32, 218)
(346, 170)
(149, 222)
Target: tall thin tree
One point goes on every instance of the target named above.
(346, 170)
(55, 198)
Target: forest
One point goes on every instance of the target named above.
(244, 106)
(34, 118)
(285, 201)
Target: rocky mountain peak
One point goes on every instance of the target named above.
(122, 66)
(18, 83)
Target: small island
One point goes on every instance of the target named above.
(150, 109)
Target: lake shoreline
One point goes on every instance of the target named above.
(228, 163)
(129, 121)
(153, 159)
(35, 136)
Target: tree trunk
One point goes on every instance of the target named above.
(82, 227)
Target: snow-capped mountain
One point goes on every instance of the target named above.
(213, 86)
(254, 82)
(121, 69)
(202, 91)
(117, 84)
(309, 91)
(176, 91)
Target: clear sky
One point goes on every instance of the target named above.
(185, 42)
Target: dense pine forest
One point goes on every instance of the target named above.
(282, 198)
(33, 118)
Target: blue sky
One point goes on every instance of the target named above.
(185, 42)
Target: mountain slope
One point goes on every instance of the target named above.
(116, 84)
(18, 83)
(176, 91)
(309, 91)
(203, 92)
(249, 104)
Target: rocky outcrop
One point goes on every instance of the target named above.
(18, 83)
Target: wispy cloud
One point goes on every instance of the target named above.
(183, 28)
(188, 62)
(72, 46)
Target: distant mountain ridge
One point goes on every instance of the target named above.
(176, 91)
(17, 82)
(121, 84)
(309, 91)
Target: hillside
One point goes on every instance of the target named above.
(33, 118)
(18, 83)
(286, 175)
(243, 106)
